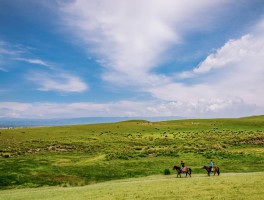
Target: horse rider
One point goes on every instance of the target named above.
(182, 165)
(211, 165)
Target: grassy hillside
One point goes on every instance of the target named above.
(227, 186)
(84, 154)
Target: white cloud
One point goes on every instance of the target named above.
(202, 108)
(5, 51)
(10, 52)
(233, 72)
(36, 61)
(53, 79)
(132, 37)
(232, 53)
(57, 81)
(13, 109)
(70, 110)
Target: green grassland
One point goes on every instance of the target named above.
(86, 154)
(227, 186)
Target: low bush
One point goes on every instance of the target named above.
(166, 172)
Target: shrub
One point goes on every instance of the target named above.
(166, 172)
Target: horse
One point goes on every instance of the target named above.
(185, 170)
(215, 170)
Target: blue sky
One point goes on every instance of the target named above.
(141, 58)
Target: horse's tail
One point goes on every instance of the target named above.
(190, 171)
(218, 171)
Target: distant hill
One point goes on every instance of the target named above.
(15, 122)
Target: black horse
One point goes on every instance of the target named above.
(185, 170)
(214, 169)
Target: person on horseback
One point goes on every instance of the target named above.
(182, 165)
(211, 165)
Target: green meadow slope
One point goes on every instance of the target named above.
(227, 186)
(85, 154)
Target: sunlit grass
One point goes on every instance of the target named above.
(226, 186)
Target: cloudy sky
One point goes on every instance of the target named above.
(131, 58)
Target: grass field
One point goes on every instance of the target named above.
(86, 154)
(227, 186)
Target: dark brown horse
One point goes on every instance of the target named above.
(185, 170)
(214, 170)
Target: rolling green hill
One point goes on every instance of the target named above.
(85, 154)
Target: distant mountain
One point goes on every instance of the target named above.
(14, 122)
